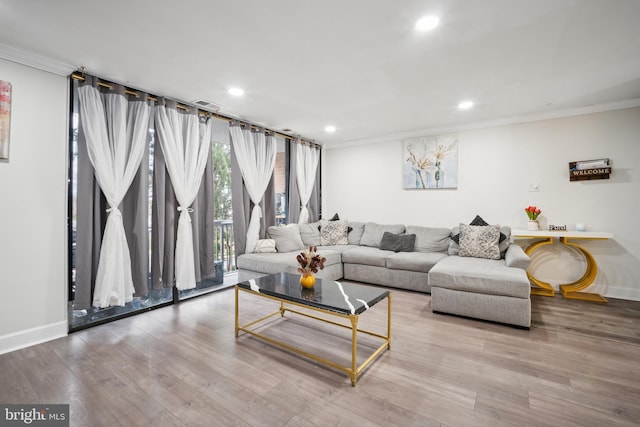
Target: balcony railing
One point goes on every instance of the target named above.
(224, 245)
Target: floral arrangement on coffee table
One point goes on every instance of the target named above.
(310, 262)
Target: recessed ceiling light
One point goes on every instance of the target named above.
(465, 105)
(427, 23)
(330, 129)
(236, 91)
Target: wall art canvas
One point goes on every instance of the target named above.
(5, 118)
(430, 162)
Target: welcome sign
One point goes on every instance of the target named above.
(589, 169)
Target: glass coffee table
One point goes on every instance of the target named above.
(346, 301)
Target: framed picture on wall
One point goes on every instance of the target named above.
(5, 118)
(430, 162)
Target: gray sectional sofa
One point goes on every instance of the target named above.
(440, 261)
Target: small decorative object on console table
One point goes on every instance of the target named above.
(310, 262)
(569, 290)
(532, 213)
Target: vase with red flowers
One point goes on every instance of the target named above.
(532, 213)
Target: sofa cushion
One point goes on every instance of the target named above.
(366, 255)
(516, 257)
(414, 261)
(430, 239)
(336, 248)
(373, 233)
(397, 242)
(310, 233)
(479, 241)
(333, 233)
(287, 238)
(355, 230)
(281, 261)
(485, 276)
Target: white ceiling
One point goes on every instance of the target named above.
(357, 64)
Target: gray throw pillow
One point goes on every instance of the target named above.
(397, 242)
(287, 238)
(333, 233)
(479, 241)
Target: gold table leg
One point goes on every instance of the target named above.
(571, 290)
(353, 374)
(542, 288)
(237, 326)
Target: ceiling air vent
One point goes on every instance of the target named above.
(207, 105)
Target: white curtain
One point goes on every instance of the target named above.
(185, 143)
(116, 132)
(256, 155)
(306, 165)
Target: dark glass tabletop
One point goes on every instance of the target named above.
(345, 298)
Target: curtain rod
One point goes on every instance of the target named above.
(79, 75)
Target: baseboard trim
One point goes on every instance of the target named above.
(632, 294)
(33, 336)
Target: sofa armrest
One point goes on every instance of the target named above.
(515, 257)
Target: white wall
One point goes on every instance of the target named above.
(33, 286)
(496, 165)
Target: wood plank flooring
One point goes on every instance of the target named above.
(579, 365)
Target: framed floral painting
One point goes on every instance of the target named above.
(430, 162)
(5, 118)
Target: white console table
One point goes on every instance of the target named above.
(569, 290)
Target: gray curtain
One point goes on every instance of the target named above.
(165, 223)
(293, 200)
(242, 206)
(91, 217)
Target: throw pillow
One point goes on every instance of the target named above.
(265, 246)
(333, 233)
(477, 221)
(479, 241)
(397, 242)
(287, 238)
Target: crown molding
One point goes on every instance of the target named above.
(35, 60)
(523, 118)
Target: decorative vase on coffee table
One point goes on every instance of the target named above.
(533, 225)
(307, 281)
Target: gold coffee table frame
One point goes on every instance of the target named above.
(569, 290)
(354, 370)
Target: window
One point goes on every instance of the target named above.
(281, 180)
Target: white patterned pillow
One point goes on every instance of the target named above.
(479, 241)
(265, 246)
(333, 233)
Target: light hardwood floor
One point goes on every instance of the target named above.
(579, 365)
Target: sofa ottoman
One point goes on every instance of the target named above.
(481, 288)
